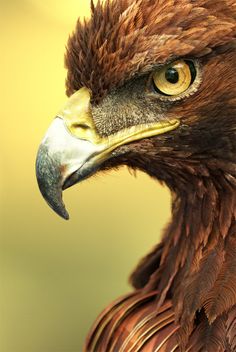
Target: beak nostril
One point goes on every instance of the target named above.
(83, 126)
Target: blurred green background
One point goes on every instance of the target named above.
(56, 276)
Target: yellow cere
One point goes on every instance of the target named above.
(173, 79)
(78, 119)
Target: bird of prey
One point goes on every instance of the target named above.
(152, 85)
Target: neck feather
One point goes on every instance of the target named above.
(195, 264)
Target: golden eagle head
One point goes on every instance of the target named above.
(151, 85)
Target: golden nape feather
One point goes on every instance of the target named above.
(132, 323)
(152, 85)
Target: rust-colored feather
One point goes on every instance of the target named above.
(208, 267)
(186, 293)
(231, 329)
(133, 324)
(222, 295)
(209, 338)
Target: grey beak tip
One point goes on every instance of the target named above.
(49, 181)
(59, 209)
(65, 215)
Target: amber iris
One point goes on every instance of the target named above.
(175, 78)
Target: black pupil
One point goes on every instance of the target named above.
(172, 75)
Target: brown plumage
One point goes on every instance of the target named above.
(185, 289)
(195, 265)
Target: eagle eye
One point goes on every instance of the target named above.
(175, 78)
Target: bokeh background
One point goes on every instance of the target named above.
(56, 276)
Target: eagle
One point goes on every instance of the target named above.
(151, 84)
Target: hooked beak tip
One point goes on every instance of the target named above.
(49, 181)
(64, 214)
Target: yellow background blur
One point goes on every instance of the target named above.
(56, 276)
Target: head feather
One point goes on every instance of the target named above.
(124, 38)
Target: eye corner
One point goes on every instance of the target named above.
(193, 66)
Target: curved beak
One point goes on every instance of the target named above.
(72, 149)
